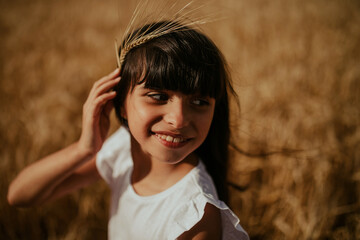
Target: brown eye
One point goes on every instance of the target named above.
(200, 102)
(161, 97)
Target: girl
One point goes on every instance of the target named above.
(166, 165)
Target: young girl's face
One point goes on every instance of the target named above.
(167, 125)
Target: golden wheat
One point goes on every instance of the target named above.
(295, 66)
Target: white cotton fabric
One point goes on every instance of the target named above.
(165, 215)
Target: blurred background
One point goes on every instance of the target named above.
(295, 157)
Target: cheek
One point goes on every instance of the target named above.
(140, 115)
(204, 123)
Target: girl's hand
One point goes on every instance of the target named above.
(74, 166)
(96, 111)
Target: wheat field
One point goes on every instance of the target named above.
(295, 157)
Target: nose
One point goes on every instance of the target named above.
(177, 114)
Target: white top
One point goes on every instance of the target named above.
(165, 215)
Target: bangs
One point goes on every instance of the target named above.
(171, 64)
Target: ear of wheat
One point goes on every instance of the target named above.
(172, 19)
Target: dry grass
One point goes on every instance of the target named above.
(296, 69)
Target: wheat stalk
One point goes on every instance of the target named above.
(184, 17)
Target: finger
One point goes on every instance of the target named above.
(108, 77)
(114, 73)
(106, 86)
(99, 97)
(102, 100)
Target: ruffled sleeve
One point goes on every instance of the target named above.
(114, 155)
(192, 212)
(197, 191)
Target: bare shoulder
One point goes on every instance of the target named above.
(208, 228)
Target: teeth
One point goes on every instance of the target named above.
(170, 138)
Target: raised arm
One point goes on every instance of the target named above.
(74, 166)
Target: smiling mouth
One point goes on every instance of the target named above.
(170, 139)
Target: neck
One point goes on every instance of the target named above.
(151, 176)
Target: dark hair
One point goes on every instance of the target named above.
(185, 60)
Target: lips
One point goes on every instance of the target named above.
(170, 140)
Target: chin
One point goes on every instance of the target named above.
(169, 158)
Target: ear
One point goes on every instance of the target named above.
(123, 112)
(123, 116)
